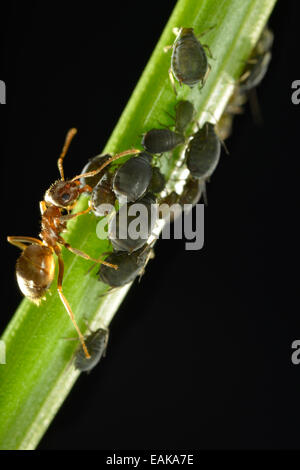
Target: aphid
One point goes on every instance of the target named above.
(161, 140)
(129, 267)
(122, 230)
(203, 152)
(96, 343)
(254, 75)
(35, 267)
(192, 192)
(93, 164)
(103, 196)
(265, 42)
(165, 204)
(158, 181)
(224, 126)
(189, 63)
(235, 106)
(258, 64)
(132, 179)
(184, 115)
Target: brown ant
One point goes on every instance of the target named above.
(35, 267)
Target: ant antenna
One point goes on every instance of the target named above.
(111, 159)
(69, 137)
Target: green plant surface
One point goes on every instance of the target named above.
(39, 373)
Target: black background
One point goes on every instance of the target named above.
(200, 352)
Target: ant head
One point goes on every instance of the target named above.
(63, 193)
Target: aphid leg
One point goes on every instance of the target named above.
(255, 107)
(87, 325)
(170, 115)
(175, 31)
(65, 302)
(244, 76)
(209, 51)
(151, 255)
(109, 291)
(111, 159)
(204, 192)
(20, 241)
(71, 133)
(251, 61)
(164, 125)
(206, 31)
(80, 253)
(172, 81)
(167, 48)
(207, 72)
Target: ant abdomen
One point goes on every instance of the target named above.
(35, 271)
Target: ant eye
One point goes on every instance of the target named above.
(65, 197)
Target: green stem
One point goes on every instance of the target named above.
(39, 373)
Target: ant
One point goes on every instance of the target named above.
(35, 267)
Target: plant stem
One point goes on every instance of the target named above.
(39, 372)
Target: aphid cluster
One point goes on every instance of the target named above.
(137, 181)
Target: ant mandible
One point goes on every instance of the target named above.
(35, 267)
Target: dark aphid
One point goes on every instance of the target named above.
(224, 126)
(129, 267)
(265, 42)
(184, 115)
(167, 202)
(103, 197)
(96, 343)
(158, 181)
(161, 140)
(189, 62)
(259, 62)
(132, 179)
(234, 106)
(192, 191)
(255, 74)
(172, 205)
(133, 224)
(203, 152)
(93, 164)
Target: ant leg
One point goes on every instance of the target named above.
(43, 207)
(80, 253)
(65, 302)
(71, 133)
(63, 218)
(111, 159)
(20, 241)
